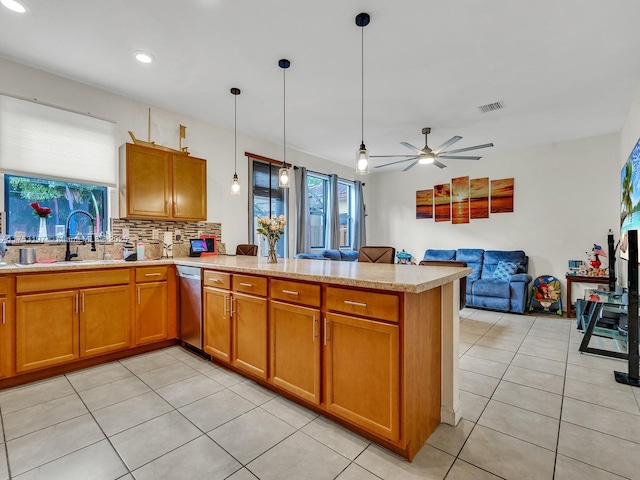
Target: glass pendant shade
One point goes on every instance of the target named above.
(283, 177)
(235, 185)
(362, 160)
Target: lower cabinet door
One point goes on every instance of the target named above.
(151, 312)
(217, 323)
(104, 320)
(46, 329)
(249, 316)
(362, 371)
(294, 345)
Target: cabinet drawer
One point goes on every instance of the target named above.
(217, 279)
(383, 306)
(4, 285)
(43, 282)
(151, 274)
(250, 284)
(297, 292)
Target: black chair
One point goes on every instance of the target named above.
(463, 280)
(377, 254)
(247, 249)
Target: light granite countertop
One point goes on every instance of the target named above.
(402, 278)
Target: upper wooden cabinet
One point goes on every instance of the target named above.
(158, 184)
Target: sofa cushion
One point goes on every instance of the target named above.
(431, 254)
(504, 270)
(473, 258)
(332, 254)
(349, 256)
(312, 255)
(493, 257)
(491, 288)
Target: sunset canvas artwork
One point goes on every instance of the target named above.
(424, 203)
(502, 195)
(479, 193)
(442, 201)
(460, 200)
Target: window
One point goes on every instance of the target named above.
(60, 197)
(318, 186)
(267, 198)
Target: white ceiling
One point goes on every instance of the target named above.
(565, 69)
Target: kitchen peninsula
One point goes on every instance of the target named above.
(371, 346)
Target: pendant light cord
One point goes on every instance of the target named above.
(284, 123)
(235, 134)
(362, 85)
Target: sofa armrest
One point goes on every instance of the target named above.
(520, 277)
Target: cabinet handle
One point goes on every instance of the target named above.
(355, 304)
(231, 299)
(138, 295)
(82, 294)
(225, 304)
(152, 274)
(4, 317)
(314, 329)
(76, 295)
(215, 280)
(326, 331)
(246, 284)
(290, 292)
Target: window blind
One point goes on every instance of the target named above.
(46, 142)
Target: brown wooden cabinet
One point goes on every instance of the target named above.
(104, 320)
(294, 348)
(249, 314)
(71, 320)
(361, 373)
(157, 184)
(151, 312)
(47, 331)
(217, 323)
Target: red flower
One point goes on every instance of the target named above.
(40, 211)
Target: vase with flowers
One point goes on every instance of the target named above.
(272, 228)
(43, 213)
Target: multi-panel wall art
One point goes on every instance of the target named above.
(465, 199)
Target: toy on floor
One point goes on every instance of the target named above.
(545, 295)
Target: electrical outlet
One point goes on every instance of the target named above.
(125, 234)
(177, 235)
(154, 234)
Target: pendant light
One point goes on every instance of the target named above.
(235, 184)
(362, 155)
(283, 174)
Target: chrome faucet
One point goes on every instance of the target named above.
(68, 255)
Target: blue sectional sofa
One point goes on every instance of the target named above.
(344, 256)
(487, 288)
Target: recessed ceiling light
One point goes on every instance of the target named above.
(13, 5)
(142, 57)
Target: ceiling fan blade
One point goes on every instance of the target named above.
(438, 164)
(459, 157)
(448, 143)
(477, 147)
(411, 147)
(393, 163)
(390, 156)
(410, 166)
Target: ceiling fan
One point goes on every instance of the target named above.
(427, 155)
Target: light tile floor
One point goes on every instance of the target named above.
(532, 406)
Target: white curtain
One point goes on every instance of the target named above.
(47, 142)
(333, 214)
(303, 240)
(359, 230)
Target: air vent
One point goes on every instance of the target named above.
(491, 107)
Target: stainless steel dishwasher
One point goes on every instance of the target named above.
(190, 281)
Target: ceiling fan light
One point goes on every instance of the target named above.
(362, 160)
(426, 158)
(283, 177)
(14, 6)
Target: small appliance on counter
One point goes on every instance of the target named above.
(27, 256)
